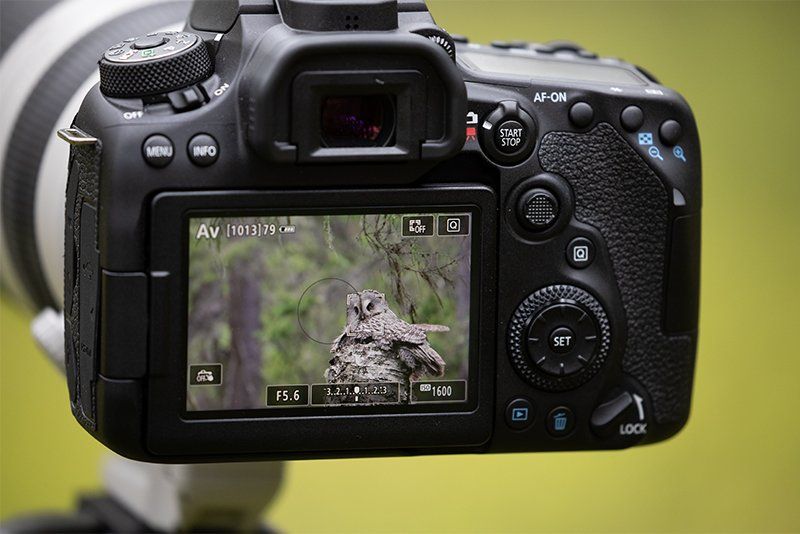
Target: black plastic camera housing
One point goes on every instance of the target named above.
(581, 176)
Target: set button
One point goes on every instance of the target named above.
(562, 339)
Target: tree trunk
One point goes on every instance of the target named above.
(242, 379)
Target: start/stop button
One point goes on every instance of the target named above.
(508, 134)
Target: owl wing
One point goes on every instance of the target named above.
(337, 343)
(400, 331)
(425, 357)
(411, 342)
(383, 327)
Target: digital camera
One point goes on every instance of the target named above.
(307, 229)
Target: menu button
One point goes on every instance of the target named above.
(158, 151)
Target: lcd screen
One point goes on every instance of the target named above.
(533, 67)
(324, 311)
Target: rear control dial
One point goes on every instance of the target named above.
(559, 337)
(508, 133)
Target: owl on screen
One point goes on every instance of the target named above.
(377, 346)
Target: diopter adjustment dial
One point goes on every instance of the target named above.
(153, 64)
(441, 38)
(559, 338)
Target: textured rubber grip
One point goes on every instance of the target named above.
(618, 193)
(81, 281)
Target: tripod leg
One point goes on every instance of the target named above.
(210, 497)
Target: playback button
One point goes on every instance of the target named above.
(519, 414)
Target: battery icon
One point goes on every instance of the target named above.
(287, 229)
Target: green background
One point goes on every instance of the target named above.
(735, 467)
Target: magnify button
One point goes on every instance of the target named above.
(655, 152)
(678, 153)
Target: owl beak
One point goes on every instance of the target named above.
(364, 303)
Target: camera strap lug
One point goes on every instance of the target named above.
(76, 136)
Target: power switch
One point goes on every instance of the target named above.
(622, 414)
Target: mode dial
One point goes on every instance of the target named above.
(153, 64)
(559, 337)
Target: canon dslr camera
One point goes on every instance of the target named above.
(301, 228)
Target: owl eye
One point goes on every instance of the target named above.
(355, 309)
(370, 306)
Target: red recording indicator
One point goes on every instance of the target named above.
(472, 133)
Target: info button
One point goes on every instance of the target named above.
(203, 150)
